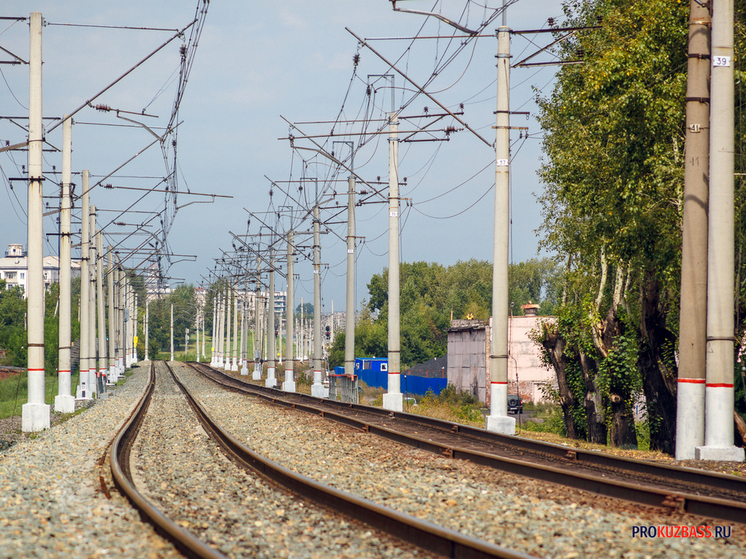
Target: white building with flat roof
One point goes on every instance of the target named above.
(14, 268)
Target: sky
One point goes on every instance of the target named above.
(256, 63)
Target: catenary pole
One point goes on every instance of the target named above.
(35, 414)
(350, 292)
(101, 312)
(234, 362)
(288, 384)
(147, 328)
(245, 328)
(172, 331)
(92, 365)
(271, 380)
(120, 317)
(228, 294)
(257, 372)
(690, 392)
(719, 393)
(213, 359)
(113, 377)
(317, 389)
(64, 402)
(84, 390)
(393, 399)
(498, 420)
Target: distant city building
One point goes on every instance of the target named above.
(14, 268)
(155, 286)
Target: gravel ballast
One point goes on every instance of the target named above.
(240, 514)
(541, 519)
(50, 497)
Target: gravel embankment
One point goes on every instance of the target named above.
(51, 505)
(534, 517)
(236, 512)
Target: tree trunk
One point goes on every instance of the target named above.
(554, 346)
(594, 406)
(659, 371)
(623, 434)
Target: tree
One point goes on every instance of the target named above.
(614, 144)
(12, 324)
(432, 294)
(307, 309)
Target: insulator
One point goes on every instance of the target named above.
(550, 21)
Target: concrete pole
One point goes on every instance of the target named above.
(719, 394)
(245, 330)
(289, 384)
(227, 353)
(257, 372)
(234, 362)
(125, 320)
(101, 314)
(147, 328)
(350, 292)
(64, 402)
(317, 388)
(120, 317)
(35, 414)
(690, 392)
(135, 323)
(498, 420)
(113, 377)
(301, 337)
(271, 357)
(84, 390)
(196, 346)
(221, 332)
(92, 364)
(213, 360)
(172, 331)
(393, 399)
(202, 314)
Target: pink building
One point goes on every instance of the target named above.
(469, 364)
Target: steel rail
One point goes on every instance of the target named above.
(425, 535)
(716, 508)
(119, 458)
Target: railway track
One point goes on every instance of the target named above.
(683, 490)
(428, 538)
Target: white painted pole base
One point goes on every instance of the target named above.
(318, 390)
(719, 453)
(500, 424)
(64, 403)
(113, 375)
(34, 417)
(719, 426)
(83, 391)
(234, 365)
(288, 385)
(135, 357)
(245, 369)
(498, 420)
(271, 380)
(256, 373)
(690, 417)
(393, 402)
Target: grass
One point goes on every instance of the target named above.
(14, 392)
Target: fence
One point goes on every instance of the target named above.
(410, 384)
(344, 386)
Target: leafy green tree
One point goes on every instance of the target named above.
(12, 324)
(432, 294)
(614, 144)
